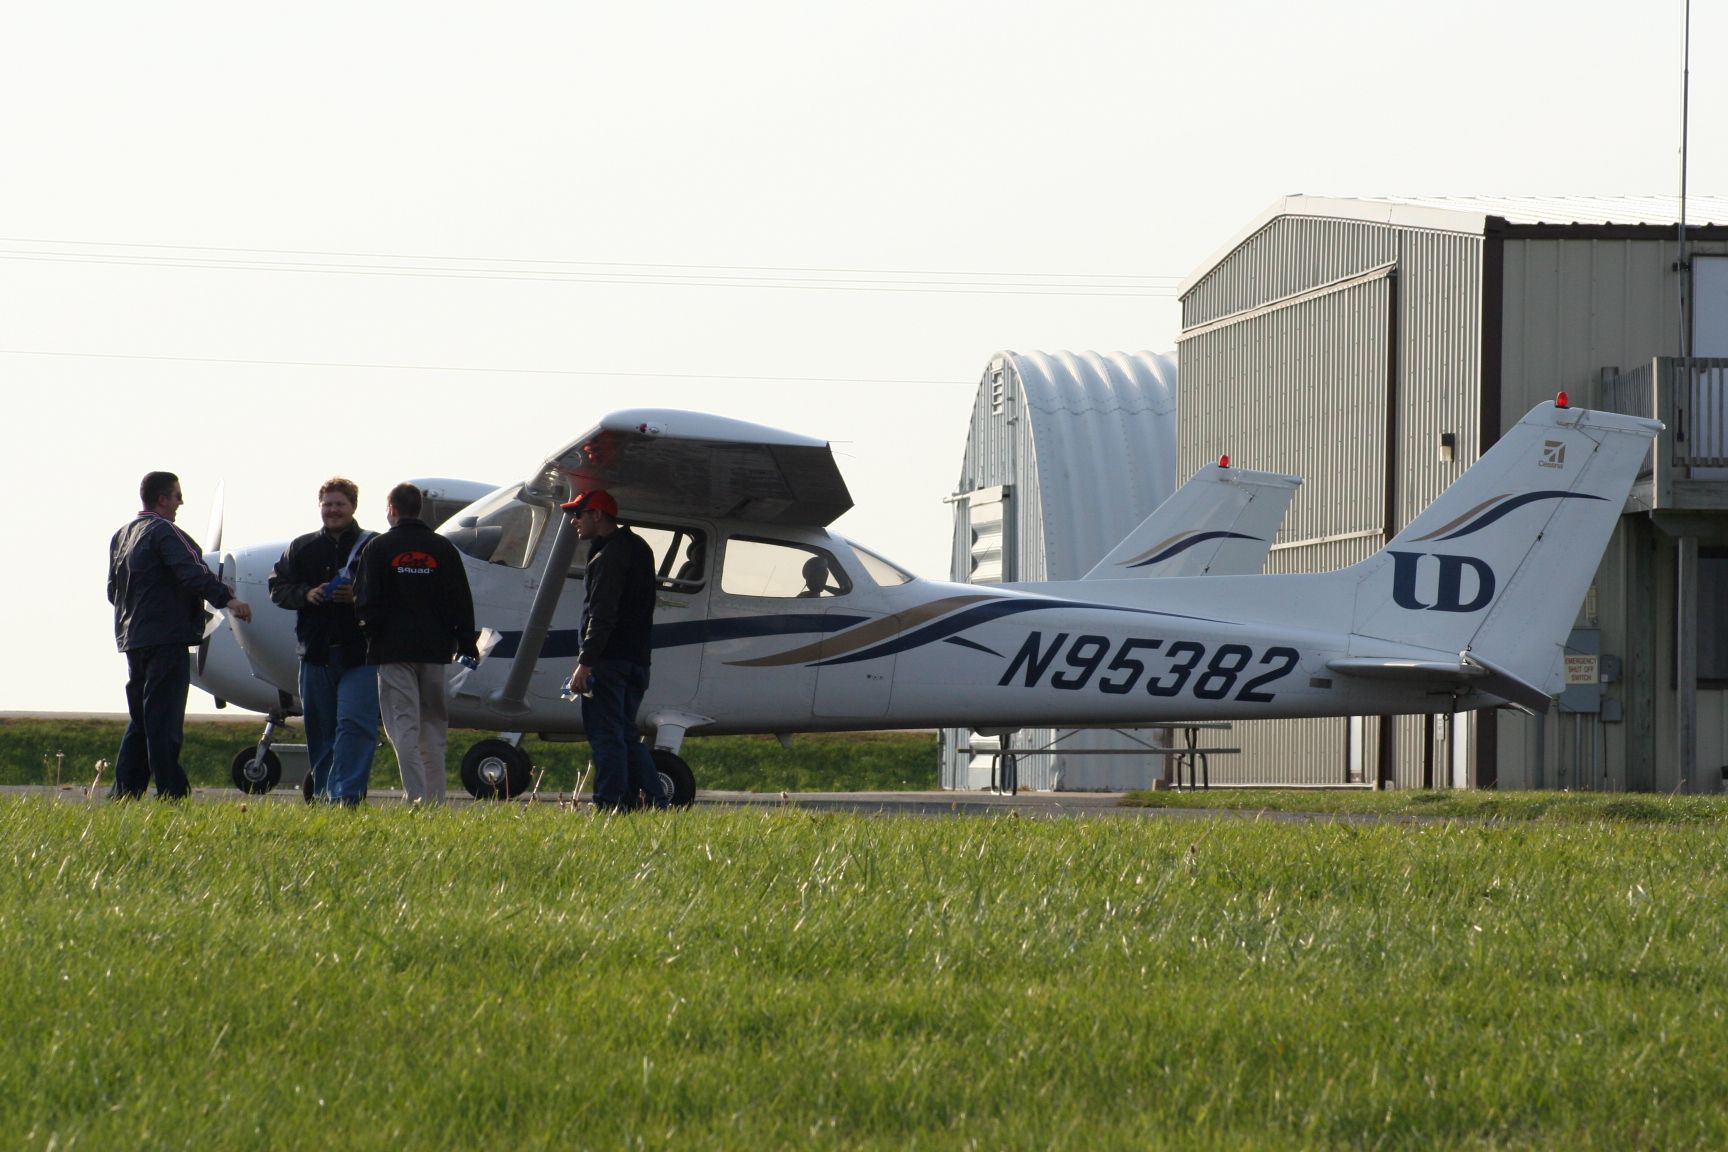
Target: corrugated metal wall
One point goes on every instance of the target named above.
(1289, 256)
(1300, 388)
(1316, 348)
(1107, 423)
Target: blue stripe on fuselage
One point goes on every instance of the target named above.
(567, 642)
(983, 614)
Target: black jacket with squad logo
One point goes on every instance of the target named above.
(412, 597)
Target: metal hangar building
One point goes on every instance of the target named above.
(1376, 347)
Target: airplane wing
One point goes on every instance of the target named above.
(657, 460)
(1220, 523)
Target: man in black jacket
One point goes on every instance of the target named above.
(158, 583)
(338, 689)
(416, 613)
(617, 645)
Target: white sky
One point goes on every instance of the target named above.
(160, 163)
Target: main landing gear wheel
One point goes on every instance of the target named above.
(252, 776)
(495, 770)
(675, 777)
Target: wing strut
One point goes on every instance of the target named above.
(511, 699)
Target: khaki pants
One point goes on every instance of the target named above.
(416, 717)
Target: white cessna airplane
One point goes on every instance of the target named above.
(1221, 522)
(768, 622)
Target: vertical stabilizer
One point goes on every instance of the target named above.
(1220, 523)
(1493, 572)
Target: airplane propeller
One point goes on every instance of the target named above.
(213, 535)
(213, 549)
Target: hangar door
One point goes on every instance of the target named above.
(1305, 386)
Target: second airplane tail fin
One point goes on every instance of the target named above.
(1220, 523)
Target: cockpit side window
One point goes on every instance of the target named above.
(692, 563)
(775, 568)
(678, 555)
(500, 529)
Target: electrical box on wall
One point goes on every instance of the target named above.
(1583, 664)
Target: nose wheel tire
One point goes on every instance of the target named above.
(676, 777)
(495, 770)
(255, 777)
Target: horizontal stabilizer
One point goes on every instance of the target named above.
(1397, 668)
(1443, 674)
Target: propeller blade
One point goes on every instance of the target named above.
(212, 620)
(213, 537)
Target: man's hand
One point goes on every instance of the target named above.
(239, 609)
(582, 680)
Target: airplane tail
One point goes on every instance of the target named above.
(1495, 569)
(1220, 523)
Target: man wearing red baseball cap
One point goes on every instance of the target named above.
(617, 646)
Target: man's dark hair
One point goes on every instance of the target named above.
(155, 486)
(343, 485)
(406, 499)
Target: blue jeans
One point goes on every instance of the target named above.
(341, 703)
(623, 765)
(156, 685)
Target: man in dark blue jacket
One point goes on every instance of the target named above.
(617, 645)
(338, 689)
(417, 613)
(158, 583)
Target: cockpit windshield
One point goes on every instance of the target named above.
(886, 573)
(501, 529)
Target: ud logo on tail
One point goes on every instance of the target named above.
(1449, 587)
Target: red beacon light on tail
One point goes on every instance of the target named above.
(1224, 461)
(1560, 401)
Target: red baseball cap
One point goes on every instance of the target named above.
(599, 500)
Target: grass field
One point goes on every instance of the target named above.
(32, 750)
(273, 976)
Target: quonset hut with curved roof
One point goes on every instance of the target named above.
(1067, 453)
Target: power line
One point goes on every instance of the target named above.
(747, 268)
(613, 273)
(507, 371)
